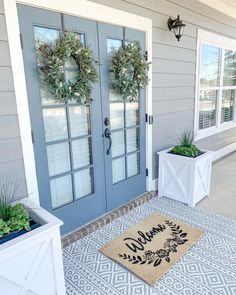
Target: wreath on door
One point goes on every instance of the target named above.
(129, 71)
(52, 59)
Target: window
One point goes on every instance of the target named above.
(216, 89)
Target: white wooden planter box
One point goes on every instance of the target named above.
(184, 179)
(31, 264)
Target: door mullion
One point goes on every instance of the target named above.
(70, 151)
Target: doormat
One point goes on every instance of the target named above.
(151, 247)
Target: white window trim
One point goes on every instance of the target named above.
(224, 43)
(80, 8)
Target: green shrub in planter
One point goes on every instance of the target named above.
(13, 217)
(186, 147)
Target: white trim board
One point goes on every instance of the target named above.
(80, 8)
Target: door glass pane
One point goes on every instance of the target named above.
(227, 108)
(132, 140)
(71, 70)
(58, 158)
(55, 124)
(132, 164)
(81, 152)
(112, 46)
(79, 120)
(83, 183)
(207, 109)
(118, 143)
(118, 170)
(229, 68)
(210, 65)
(117, 115)
(61, 191)
(44, 35)
(132, 113)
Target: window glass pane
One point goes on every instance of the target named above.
(117, 115)
(118, 170)
(227, 108)
(132, 139)
(81, 153)
(210, 66)
(132, 113)
(79, 120)
(61, 191)
(207, 109)
(44, 35)
(55, 125)
(132, 164)
(230, 68)
(58, 158)
(118, 143)
(83, 183)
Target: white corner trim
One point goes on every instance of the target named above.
(21, 97)
(80, 8)
(224, 151)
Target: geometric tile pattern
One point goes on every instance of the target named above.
(208, 268)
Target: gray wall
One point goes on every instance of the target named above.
(11, 159)
(173, 77)
(174, 66)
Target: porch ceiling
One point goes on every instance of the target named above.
(227, 7)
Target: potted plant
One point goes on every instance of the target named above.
(30, 247)
(185, 171)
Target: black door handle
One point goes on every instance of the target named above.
(107, 134)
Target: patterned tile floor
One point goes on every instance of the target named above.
(209, 267)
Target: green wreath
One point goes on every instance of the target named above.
(52, 59)
(129, 69)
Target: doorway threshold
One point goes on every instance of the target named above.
(105, 219)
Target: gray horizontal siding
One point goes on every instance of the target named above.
(4, 54)
(172, 106)
(172, 66)
(7, 103)
(173, 53)
(9, 127)
(172, 80)
(3, 30)
(1, 7)
(6, 80)
(171, 93)
(10, 150)
(11, 158)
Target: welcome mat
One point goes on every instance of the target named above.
(151, 247)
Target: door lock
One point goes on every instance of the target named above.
(106, 121)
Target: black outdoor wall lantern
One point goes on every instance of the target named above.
(177, 25)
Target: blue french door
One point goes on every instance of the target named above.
(90, 158)
(125, 164)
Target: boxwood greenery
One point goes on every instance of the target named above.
(185, 147)
(13, 217)
(16, 219)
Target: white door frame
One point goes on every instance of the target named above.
(80, 8)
